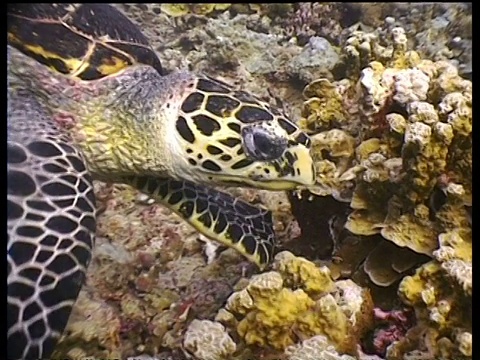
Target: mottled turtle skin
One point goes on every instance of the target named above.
(87, 99)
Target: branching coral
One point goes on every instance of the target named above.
(308, 19)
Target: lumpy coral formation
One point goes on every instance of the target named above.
(300, 273)
(317, 347)
(393, 138)
(441, 293)
(395, 155)
(177, 10)
(208, 340)
(442, 311)
(298, 301)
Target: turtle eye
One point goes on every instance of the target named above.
(260, 144)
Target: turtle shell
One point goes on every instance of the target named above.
(87, 41)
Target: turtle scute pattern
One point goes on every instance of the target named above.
(87, 41)
(51, 207)
(229, 220)
(51, 225)
(214, 120)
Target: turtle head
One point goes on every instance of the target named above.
(230, 137)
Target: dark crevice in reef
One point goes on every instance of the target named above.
(313, 217)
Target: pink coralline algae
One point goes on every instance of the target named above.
(391, 326)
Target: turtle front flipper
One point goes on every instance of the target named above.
(217, 215)
(50, 227)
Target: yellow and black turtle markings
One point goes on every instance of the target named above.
(228, 129)
(218, 215)
(69, 39)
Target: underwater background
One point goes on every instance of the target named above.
(373, 262)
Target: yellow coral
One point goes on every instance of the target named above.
(448, 79)
(366, 148)
(337, 142)
(464, 340)
(333, 322)
(455, 254)
(362, 222)
(177, 10)
(324, 106)
(414, 231)
(174, 10)
(270, 321)
(453, 246)
(411, 287)
(445, 308)
(412, 123)
(404, 60)
(299, 272)
(457, 109)
(275, 315)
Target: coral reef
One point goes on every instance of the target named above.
(443, 308)
(387, 138)
(176, 10)
(315, 348)
(208, 340)
(147, 281)
(299, 301)
(389, 107)
(94, 331)
(414, 116)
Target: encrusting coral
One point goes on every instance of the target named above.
(300, 273)
(298, 301)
